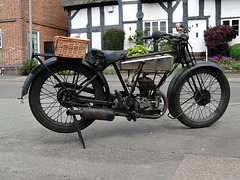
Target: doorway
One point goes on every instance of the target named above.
(196, 35)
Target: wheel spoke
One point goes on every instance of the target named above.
(53, 93)
(48, 96)
(194, 102)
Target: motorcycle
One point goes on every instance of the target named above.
(67, 95)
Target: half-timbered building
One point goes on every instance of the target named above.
(90, 18)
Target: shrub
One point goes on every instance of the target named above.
(113, 39)
(217, 39)
(109, 70)
(25, 69)
(137, 38)
(137, 50)
(235, 51)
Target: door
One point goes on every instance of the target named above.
(129, 29)
(196, 35)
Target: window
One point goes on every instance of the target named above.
(35, 39)
(147, 25)
(0, 38)
(234, 23)
(156, 26)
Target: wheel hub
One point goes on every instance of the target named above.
(202, 97)
(64, 97)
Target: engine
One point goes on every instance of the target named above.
(150, 98)
(149, 101)
(146, 84)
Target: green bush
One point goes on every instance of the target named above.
(235, 51)
(25, 69)
(109, 70)
(113, 39)
(137, 50)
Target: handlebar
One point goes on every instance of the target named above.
(170, 37)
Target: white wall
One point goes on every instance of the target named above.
(80, 20)
(96, 40)
(96, 16)
(193, 8)
(230, 8)
(129, 12)
(153, 12)
(178, 13)
(111, 18)
(210, 10)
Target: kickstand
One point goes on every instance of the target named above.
(81, 138)
(79, 132)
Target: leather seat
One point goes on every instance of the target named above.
(110, 56)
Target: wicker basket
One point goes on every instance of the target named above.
(70, 47)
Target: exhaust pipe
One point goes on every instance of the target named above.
(93, 113)
(108, 115)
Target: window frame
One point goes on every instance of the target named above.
(159, 22)
(37, 48)
(231, 23)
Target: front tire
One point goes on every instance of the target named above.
(201, 97)
(46, 95)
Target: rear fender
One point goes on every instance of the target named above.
(181, 74)
(55, 60)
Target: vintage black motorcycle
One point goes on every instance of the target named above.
(67, 94)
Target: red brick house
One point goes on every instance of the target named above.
(49, 19)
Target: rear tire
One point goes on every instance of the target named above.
(204, 106)
(46, 93)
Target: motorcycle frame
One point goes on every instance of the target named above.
(180, 57)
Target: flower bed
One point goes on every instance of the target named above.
(227, 63)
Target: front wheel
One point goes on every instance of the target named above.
(201, 98)
(49, 100)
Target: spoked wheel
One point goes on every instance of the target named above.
(201, 99)
(49, 100)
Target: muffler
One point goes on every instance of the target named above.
(93, 114)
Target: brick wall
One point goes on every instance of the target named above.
(10, 25)
(49, 18)
(11, 52)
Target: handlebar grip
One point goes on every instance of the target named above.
(157, 35)
(147, 37)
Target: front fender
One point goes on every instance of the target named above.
(53, 60)
(182, 73)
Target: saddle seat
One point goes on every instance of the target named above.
(110, 56)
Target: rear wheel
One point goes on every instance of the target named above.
(49, 101)
(201, 98)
